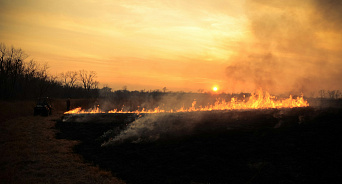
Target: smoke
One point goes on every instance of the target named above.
(152, 127)
(296, 46)
(134, 100)
(252, 69)
(173, 126)
(329, 10)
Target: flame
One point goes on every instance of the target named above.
(260, 100)
(79, 110)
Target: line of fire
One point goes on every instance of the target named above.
(258, 100)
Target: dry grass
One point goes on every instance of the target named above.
(12, 109)
(30, 153)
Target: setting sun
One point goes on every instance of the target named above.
(215, 89)
(183, 45)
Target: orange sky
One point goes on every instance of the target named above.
(183, 45)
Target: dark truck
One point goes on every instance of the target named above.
(43, 107)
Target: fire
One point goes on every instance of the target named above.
(259, 100)
(79, 110)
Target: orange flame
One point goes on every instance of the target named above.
(79, 110)
(259, 101)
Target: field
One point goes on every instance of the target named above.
(30, 152)
(300, 145)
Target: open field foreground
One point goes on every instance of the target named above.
(30, 153)
(300, 145)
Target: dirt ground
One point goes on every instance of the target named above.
(30, 153)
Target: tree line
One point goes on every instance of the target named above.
(21, 79)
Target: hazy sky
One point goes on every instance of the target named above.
(188, 45)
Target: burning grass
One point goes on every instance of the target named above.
(259, 100)
(295, 145)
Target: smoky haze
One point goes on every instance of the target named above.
(168, 126)
(293, 47)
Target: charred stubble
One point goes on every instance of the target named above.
(269, 146)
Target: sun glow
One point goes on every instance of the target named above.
(215, 88)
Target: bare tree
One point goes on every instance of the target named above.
(332, 94)
(69, 78)
(322, 93)
(44, 80)
(88, 79)
(164, 89)
(24, 80)
(3, 54)
(11, 69)
(64, 79)
(337, 94)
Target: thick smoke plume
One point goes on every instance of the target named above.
(294, 46)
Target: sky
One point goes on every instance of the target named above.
(239, 46)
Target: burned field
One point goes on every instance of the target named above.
(298, 145)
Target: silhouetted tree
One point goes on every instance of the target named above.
(331, 94)
(11, 70)
(322, 93)
(88, 79)
(28, 80)
(105, 92)
(200, 90)
(337, 94)
(69, 78)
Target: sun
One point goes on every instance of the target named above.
(215, 88)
